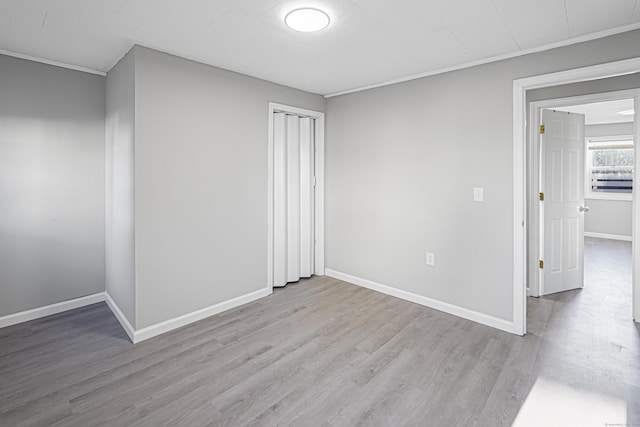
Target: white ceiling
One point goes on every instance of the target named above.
(598, 113)
(368, 41)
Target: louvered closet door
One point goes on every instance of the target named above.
(293, 197)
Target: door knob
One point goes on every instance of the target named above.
(583, 208)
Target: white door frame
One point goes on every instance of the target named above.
(522, 160)
(319, 189)
(534, 172)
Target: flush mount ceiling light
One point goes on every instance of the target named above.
(307, 20)
(627, 113)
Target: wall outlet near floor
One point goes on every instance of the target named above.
(431, 258)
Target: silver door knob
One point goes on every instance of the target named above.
(583, 208)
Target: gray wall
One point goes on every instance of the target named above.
(611, 84)
(51, 184)
(609, 216)
(610, 129)
(200, 183)
(120, 141)
(401, 164)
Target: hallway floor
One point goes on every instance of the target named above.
(588, 365)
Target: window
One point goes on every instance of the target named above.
(609, 170)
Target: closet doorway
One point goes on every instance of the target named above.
(296, 194)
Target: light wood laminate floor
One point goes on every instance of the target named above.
(324, 352)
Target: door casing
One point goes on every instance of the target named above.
(523, 165)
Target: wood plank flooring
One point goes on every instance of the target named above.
(326, 353)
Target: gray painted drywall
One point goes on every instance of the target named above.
(609, 129)
(200, 183)
(609, 216)
(611, 84)
(120, 143)
(51, 184)
(401, 164)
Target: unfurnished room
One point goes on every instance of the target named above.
(319, 213)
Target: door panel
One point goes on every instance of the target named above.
(556, 245)
(307, 241)
(573, 174)
(562, 182)
(572, 247)
(293, 198)
(556, 175)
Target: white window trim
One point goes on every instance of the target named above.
(590, 195)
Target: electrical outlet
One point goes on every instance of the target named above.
(431, 258)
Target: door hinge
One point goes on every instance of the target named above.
(541, 197)
(541, 129)
(541, 264)
(314, 181)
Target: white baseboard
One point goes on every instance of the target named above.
(135, 335)
(178, 322)
(465, 313)
(48, 310)
(130, 330)
(607, 236)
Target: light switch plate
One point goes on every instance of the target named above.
(431, 258)
(478, 194)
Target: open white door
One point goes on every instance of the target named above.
(562, 201)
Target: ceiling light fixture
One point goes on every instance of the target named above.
(627, 112)
(307, 20)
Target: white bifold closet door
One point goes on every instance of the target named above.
(294, 241)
